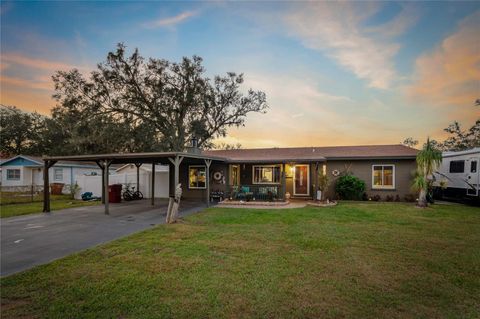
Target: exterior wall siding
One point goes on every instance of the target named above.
(404, 170)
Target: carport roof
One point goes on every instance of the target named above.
(125, 158)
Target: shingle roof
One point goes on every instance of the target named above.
(39, 160)
(316, 153)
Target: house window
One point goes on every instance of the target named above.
(13, 174)
(457, 166)
(58, 174)
(383, 176)
(266, 174)
(197, 177)
(473, 167)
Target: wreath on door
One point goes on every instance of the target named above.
(218, 177)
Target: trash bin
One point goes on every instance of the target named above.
(115, 193)
(56, 188)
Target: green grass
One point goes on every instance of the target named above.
(355, 260)
(37, 207)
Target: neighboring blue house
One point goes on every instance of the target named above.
(23, 170)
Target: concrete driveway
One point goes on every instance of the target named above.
(31, 240)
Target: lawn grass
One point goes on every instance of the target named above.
(355, 260)
(37, 207)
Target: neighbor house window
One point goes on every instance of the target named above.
(457, 166)
(266, 174)
(383, 176)
(58, 174)
(197, 177)
(13, 174)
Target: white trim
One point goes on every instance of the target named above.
(188, 177)
(266, 183)
(380, 187)
(308, 180)
(13, 169)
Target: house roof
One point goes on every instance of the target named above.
(36, 161)
(316, 153)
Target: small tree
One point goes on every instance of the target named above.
(350, 187)
(428, 160)
(323, 183)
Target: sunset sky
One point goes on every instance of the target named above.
(334, 73)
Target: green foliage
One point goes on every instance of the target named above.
(428, 160)
(350, 187)
(169, 102)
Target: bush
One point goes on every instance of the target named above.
(350, 187)
(376, 198)
(389, 198)
(410, 198)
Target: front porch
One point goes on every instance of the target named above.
(272, 182)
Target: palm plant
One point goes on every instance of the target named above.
(428, 160)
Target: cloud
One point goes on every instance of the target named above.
(449, 76)
(40, 84)
(171, 21)
(19, 59)
(337, 29)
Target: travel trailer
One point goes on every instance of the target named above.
(459, 175)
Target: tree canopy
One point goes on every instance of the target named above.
(172, 102)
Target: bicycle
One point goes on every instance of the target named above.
(133, 194)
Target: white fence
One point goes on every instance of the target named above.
(94, 183)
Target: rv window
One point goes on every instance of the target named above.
(473, 167)
(457, 166)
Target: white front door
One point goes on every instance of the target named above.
(301, 180)
(472, 176)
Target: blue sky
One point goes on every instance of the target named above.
(334, 73)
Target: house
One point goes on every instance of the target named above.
(269, 173)
(387, 170)
(22, 171)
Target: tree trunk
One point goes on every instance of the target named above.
(422, 198)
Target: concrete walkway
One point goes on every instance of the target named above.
(27, 241)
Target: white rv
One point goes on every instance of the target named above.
(460, 172)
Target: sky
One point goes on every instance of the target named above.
(335, 73)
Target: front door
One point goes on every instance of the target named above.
(301, 180)
(473, 177)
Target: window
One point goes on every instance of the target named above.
(473, 167)
(58, 174)
(266, 174)
(197, 177)
(13, 174)
(457, 166)
(383, 176)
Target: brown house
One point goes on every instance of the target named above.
(264, 174)
(270, 173)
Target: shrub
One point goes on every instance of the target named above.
(376, 198)
(389, 198)
(350, 187)
(397, 198)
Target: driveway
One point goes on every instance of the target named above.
(31, 240)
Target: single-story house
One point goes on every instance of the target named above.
(269, 173)
(387, 170)
(23, 170)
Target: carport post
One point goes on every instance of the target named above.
(176, 162)
(46, 185)
(106, 165)
(208, 162)
(103, 180)
(153, 183)
(138, 175)
(316, 181)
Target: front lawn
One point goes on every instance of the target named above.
(355, 260)
(37, 207)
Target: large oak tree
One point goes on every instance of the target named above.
(173, 102)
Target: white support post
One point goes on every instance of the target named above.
(208, 162)
(176, 162)
(153, 184)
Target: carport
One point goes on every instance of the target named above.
(173, 159)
